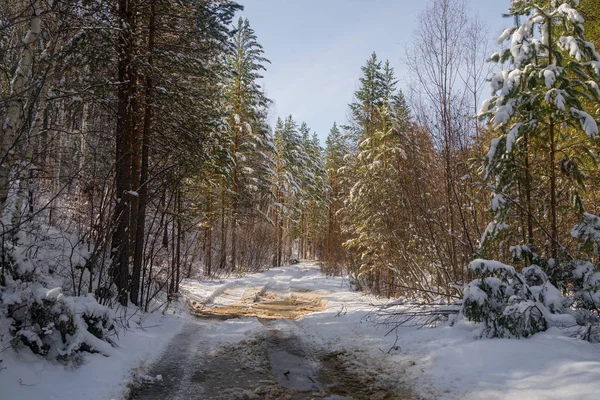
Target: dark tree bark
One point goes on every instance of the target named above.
(223, 260)
(208, 244)
(138, 256)
(124, 136)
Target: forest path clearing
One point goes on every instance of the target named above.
(248, 344)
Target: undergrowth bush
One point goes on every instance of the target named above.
(45, 320)
(513, 304)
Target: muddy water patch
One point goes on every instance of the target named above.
(292, 361)
(267, 305)
(344, 375)
(272, 365)
(276, 363)
(292, 371)
(237, 371)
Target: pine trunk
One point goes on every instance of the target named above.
(223, 260)
(140, 234)
(552, 164)
(208, 237)
(124, 133)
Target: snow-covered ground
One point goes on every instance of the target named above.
(446, 362)
(27, 376)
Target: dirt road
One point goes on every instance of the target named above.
(247, 344)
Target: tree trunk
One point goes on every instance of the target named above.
(280, 237)
(56, 169)
(173, 250)
(234, 208)
(124, 136)
(79, 189)
(179, 238)
(208, 245)
(14, 112)
(136, 167)
(223, 261)
(140, 234)
(552, 164)
(276, 255)
(530, 241)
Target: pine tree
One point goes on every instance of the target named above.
(539, 101)
(291, 168)
(538, 104)
(317, 215)
(336, 148)
(247, 132)
(311, 199)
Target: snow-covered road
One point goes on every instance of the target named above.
(249, 344)
(294, 333)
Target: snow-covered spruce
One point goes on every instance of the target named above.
(549, 77)
(548, 71)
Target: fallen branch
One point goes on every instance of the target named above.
(420, 315)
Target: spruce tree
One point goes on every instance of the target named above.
(375, 229)
(373, 89)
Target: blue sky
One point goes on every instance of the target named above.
(317, 47)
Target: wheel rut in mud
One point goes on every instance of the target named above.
(278, 363)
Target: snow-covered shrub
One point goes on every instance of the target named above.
(512, 304)
(35, 313)
(585, 275)
(588, 231)
(52, 324)
(45, 326)
(586, 280)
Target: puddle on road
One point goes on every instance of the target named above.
(266, 306)
(345, 379)
(276, 365)
(279, 363)
(293, 371)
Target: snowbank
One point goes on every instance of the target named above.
(26, 376)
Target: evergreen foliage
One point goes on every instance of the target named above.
(539, 102)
